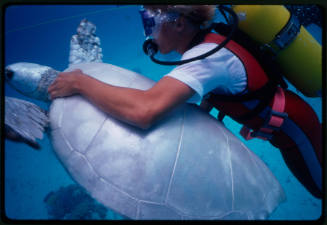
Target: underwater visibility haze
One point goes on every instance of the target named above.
(37, 187)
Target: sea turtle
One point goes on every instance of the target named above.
(187, 166)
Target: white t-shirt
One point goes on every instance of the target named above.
(222, 72)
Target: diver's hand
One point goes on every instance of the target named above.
(66, 84)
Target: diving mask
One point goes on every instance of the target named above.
(152, 20)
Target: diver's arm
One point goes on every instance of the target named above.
(136, 107)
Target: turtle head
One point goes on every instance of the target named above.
(30, 79)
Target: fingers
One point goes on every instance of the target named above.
(53, 95)
(52, 86)
(64, 84)
(54, 89)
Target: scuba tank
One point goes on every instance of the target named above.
(296, 51)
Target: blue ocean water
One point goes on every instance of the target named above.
(41, 34)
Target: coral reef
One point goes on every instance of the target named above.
(73, 203)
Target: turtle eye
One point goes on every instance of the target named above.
(9, 74)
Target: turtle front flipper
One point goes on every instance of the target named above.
(11, 134)
(24, 121)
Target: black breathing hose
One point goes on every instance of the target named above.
(150, 48)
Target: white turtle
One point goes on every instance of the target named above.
(188, 166)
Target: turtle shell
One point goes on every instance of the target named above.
(187, 166)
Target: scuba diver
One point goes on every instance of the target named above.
(219, 72)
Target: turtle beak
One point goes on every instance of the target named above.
(9, 74)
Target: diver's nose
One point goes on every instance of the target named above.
(9, 74)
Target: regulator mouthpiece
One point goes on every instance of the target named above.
(150, 48)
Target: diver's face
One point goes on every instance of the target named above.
(159, 26)
(165, 37)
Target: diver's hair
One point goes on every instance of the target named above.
(198, 14)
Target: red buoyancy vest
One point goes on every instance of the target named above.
(299, 140)
(256, 79)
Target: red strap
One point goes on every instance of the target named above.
(257, 78)
(275, 121)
